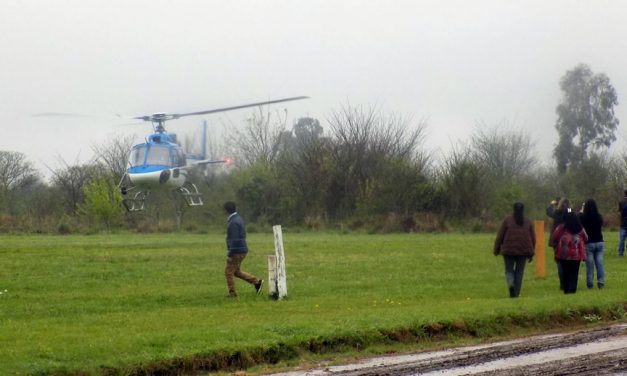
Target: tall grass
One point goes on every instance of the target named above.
(97, 303)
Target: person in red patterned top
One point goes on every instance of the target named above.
(570, 239)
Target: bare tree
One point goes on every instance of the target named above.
(260, 140)
(464, 181)
(364, 141)
(306, 166)
(16, 173)
(114, 154)
(15, 170)
(618, 172)
(367, 134)
(70, 179)
(504, 154)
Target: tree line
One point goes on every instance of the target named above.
(362, 169)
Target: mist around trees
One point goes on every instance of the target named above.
(359, 169)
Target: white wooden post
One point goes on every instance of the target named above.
(280, 262)
(272, 281)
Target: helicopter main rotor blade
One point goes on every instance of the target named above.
(71, 115)
(60, 114)
(239, 107)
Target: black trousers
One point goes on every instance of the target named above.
(570, 275)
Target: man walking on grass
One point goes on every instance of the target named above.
(237, 251)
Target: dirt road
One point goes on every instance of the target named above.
(600, 351)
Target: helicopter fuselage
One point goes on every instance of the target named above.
(158, 164)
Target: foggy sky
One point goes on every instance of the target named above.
(453, 63)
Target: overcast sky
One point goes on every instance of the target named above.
(454, 63)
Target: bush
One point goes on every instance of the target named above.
(430, 222)
(314, 222)
(64, 229)
(7, 223)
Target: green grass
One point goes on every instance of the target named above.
(117, 303)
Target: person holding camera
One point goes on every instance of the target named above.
(569, 239)
(556, 211)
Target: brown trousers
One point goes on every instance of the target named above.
(232, 268)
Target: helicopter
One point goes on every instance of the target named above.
(160, 164)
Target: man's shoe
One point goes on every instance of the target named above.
(232, 295)
(258, 286)
(512, 293)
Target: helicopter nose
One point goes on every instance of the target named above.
(165, 175)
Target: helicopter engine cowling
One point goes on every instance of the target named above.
(160, 180)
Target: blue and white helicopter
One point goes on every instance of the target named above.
(160, 164)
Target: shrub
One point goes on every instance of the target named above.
(64, 229)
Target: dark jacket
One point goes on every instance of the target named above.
(623, 213)
(515, 240)
(236, 235)
(593, 228)
(558, 217)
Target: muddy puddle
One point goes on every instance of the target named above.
(600, 351)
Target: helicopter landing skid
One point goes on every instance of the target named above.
(137, 203)
(191, 194)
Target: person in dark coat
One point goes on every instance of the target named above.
(237, 249)
(592, 222)
(516, 241)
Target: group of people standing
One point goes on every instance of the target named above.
(575, 237)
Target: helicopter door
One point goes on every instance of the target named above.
(178, 160)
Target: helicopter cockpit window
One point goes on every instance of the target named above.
(159, 155)
(138, 154)
(178, 158)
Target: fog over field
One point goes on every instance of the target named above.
(451, 63)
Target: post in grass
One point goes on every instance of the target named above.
(277, 279)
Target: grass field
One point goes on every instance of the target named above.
(118, 304)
